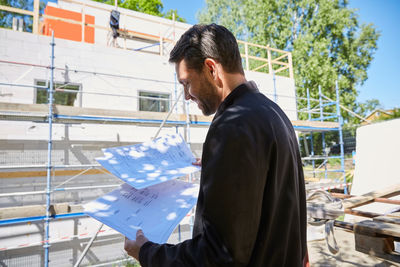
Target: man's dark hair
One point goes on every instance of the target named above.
(208, 41)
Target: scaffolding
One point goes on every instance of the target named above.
(277, 61)
(319, 113)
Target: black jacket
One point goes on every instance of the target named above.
(251, 209)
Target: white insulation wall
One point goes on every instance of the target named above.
(377, 161)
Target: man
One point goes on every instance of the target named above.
(251, 207)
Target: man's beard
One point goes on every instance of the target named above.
(209, 99)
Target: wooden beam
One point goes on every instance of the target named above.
(282, 69)
(33, 211)
(16, 10)
(388, 219)
(278, 58)
(369, 197)
(372, 228)
(35, 26)
(260, 67)
(319, 124)
(20, 174)
(41, 110)
(290, 61)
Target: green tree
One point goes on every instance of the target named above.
(151, 7)
(170, 14)
(365, 108)
(394, 114)
(324, 36)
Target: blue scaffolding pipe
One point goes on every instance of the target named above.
(311, 133)
(148, 46)
(321, 111)
(340, 136)
(46, 244)
(327, 104)
(92, 118)
(41, 218)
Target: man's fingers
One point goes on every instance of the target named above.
(139, 234)
(197, 162)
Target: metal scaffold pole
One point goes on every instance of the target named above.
(311, 133)
(49, 161)
(321, 114)
(340, 136)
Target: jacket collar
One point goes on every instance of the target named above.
(249, 86)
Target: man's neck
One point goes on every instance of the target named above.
(230, 82)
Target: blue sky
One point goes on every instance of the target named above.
(384, 70)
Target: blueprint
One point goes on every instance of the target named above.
(157, 209)
(150, 163)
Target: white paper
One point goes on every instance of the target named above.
(157, 210)
(150, 163)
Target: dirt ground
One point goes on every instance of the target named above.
(347, 256)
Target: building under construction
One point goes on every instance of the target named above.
(92, 76)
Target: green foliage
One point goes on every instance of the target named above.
(324, 36)
(132, 264)
(151, 7)
(394, 114)
(170, 15)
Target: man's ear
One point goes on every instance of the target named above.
(211, 67)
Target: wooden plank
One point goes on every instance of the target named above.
(16, 10)
(20, 174)
(376, 228)
(369, 197)
(290, 61)
(260, 67)
(77, 111)
(321, 124)
(388, 218)
(278, 58)
(33, 211)
(281, 69)
(35, 26)
(42, 110)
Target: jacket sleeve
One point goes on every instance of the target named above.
(232, 184)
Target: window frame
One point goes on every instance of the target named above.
(78, 91)
(167, 100)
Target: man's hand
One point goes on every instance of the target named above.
(132, 247)
(197, 162)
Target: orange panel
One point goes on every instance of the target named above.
(67, 30)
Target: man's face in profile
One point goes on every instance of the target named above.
(199, 87)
